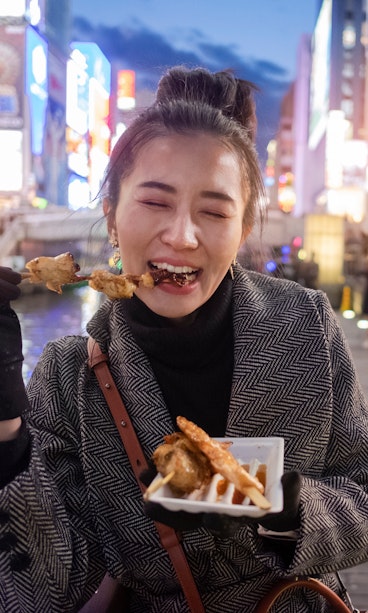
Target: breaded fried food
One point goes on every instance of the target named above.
(222, 461)
(190, 459)
(191, 467)
(54, 272)
(57, 271)
(118, 286)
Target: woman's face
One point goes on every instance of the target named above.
(181, 209)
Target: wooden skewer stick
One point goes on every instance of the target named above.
(127, 276)
(78, 278)
(155, 485)
(257, 498)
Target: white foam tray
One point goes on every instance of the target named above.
(268, 450)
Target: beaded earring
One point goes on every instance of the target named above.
(116, 258)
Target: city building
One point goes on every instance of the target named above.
(54, 109)
(88, 133)
(32, 100)
(328, 143)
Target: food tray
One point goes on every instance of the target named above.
(267, 450)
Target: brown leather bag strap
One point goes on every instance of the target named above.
(98, 361)
(313, 584)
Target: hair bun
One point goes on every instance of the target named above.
(222, 90)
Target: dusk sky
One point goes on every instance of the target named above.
(258, 39)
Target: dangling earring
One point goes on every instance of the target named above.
(231, 271)
(116, 255)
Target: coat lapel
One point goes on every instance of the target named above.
(281, 381)
(135, 381)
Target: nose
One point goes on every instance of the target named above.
(181, 232)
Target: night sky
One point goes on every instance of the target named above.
(258, 39)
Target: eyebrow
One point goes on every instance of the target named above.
(158, 185)
(217, 196)
(171, 190)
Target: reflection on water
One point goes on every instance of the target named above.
(45, 316)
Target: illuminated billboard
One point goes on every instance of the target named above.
(16, 10)
(11, 175)
(98, 69)
(77, 93)
(88, 106)
(95, 63)
(78, 192)
(12, 75)
(126, 90)
(12, 8)
(320, 75)
(36, 87)
(54, 154)
(77, 151)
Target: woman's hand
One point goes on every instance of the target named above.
(9, 281)
(13, 397)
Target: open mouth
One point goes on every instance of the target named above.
(180, 275)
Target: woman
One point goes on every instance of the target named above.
(239, 353)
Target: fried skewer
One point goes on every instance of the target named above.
(180, 456)
(53, 272)
(224, 463)
(222, 460)
(192, 458)
(155, 485)
(61, 270)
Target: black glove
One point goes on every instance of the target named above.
(13, 398)
(223, 525)
(288, 518)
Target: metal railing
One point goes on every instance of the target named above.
(48, 226)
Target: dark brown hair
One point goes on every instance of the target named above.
(190, 101)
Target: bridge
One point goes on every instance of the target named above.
(32, 233)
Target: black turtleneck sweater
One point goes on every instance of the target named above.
(193, 361)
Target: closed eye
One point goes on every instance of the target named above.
(216, 214)
(154, 203)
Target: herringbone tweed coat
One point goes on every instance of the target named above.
(77, 510)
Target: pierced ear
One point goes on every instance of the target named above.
(106, 207)
(110, 218)
(245, 234)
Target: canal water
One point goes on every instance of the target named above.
(45, 316)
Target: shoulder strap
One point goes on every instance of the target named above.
(98, 361)
(264, 606)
